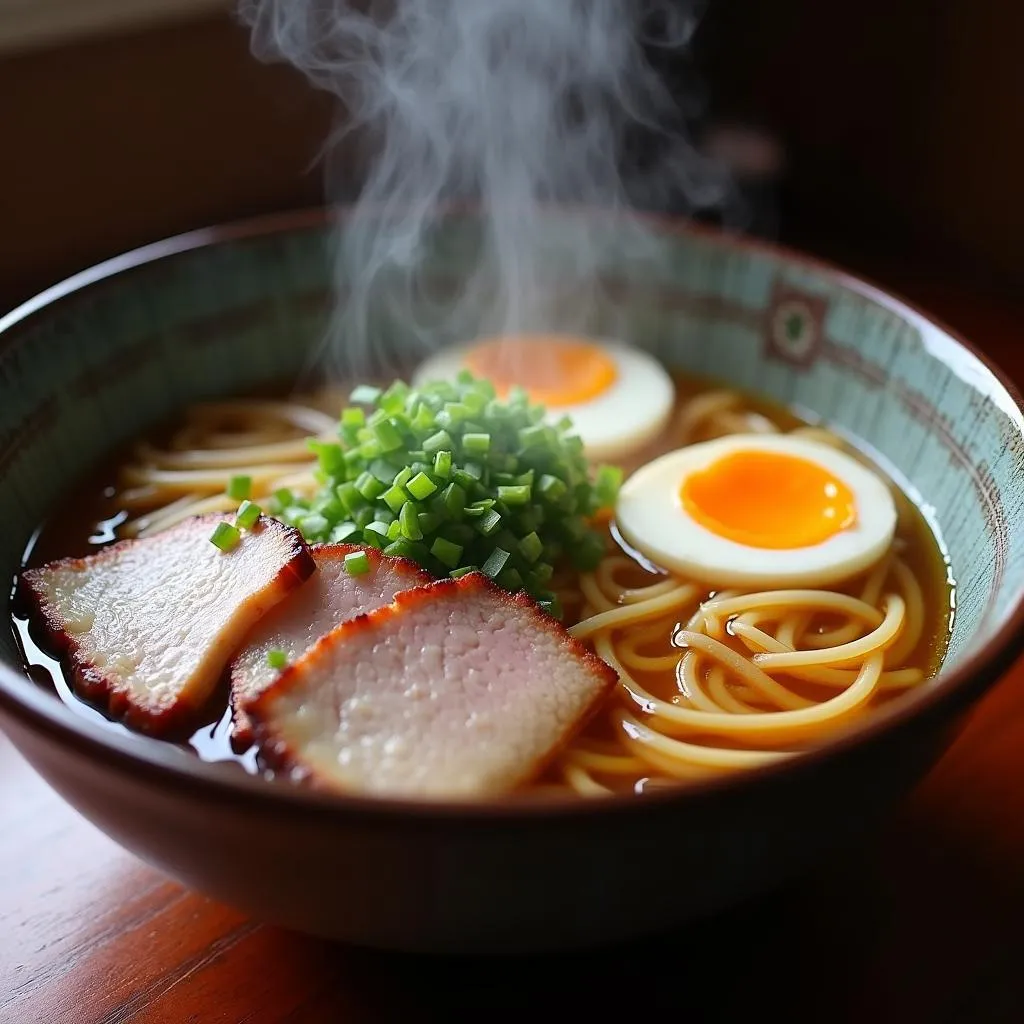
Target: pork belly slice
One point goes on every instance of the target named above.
(331, 596)
(456, 689)
(148, 626)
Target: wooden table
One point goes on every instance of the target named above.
(921, 922)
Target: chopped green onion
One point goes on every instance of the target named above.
(353, 418)
(531, 547)
(443, 464)
(452, 414)
(277, 659)
(464, 570)
(587, 552)
(453, 477)
(348, 496)
(465, 480)
(342, 532)
(533, 437)
(388, 436)
(357, 563)
(423, 420)
(552, 488)
(517, 494)
(429, 521)
(458, 533)
(409, 522)
(382, 470)
(401, 548)
(421, 486)
(607, 482)
(329, 455)
(530, 520)
(362, 517)
(225, 536)
(495, 562)
(248, 513)
(510, 580)
(314, 526)
(542, 573)
(446, 552)
(440, 441)
(488, 522)
(395, 397)
(367, 485)
(376, 532)
(394, 497)
(240, 487)
(454, 499)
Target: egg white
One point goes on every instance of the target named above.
(631, 412)
(652, 519)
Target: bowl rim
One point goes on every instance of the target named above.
(39, 711)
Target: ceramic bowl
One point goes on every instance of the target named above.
(106, 355)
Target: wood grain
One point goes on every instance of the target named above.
(917, 923)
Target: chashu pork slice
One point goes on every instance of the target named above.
(148, 625)
(331, 596)
(456, 689)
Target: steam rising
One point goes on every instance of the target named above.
(511, 104)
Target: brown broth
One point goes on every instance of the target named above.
(96, 521)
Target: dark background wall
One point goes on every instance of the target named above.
(902, 121)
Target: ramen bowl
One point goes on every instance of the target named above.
(113, 352)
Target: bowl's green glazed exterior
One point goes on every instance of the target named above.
(116, 350)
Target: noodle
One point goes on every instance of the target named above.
(266, 441)
(744, 692)
(640, 611)
(708, 683)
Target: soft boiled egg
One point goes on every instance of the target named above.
(617, 397)
(758, 511)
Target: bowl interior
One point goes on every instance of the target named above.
(106, 356)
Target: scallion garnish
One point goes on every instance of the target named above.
(476, 444)
(495, 562)
(357, 563)
(443, 465)
(455, 478)
(225, 536)
(421, 486)
(277, 659)
(248, 513)
(239, 487)
(446, 552)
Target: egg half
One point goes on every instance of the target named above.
(757, 511)
(617, 397)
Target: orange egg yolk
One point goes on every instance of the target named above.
(768, 500)
(553, 370)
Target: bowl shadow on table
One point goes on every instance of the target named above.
(778, 951)
(913, 923)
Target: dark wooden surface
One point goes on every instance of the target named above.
(921, 922)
